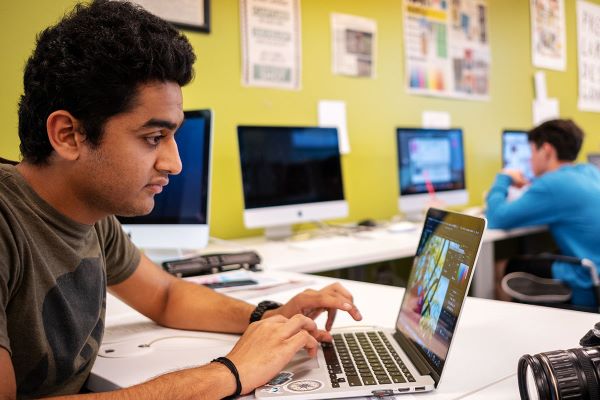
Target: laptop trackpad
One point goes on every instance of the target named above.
(303, 361)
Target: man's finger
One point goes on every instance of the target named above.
(298, 323)
(331, 312)
(303, 339)
(338, 287)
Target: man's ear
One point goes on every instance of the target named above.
(549, 150)
(65, 134)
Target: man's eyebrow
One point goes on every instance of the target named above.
(159, 123)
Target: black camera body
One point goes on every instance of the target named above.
(563, 374)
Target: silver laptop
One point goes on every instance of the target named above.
(410, 358)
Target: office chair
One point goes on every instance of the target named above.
(531, 289)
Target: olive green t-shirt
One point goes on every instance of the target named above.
(53, 278)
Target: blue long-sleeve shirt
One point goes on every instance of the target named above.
(567, 200)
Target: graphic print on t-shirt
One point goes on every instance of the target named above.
(73, 324)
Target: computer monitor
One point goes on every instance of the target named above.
(179, 219)
(594, 159)
(290, 175)
(516, 152)
(431, 163)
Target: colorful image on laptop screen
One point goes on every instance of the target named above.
(437, 286)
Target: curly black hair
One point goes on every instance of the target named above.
(91, 64)
(562, 134)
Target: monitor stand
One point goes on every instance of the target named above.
(415, 216)
(279, 232)
(158, 256)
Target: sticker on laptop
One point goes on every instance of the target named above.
(272, 390)
(306, 385)
(281, 379)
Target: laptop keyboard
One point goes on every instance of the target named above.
(364, 358)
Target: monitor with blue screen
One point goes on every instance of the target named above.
(290, 175)
(516, 152)
(430, 161)
(179, 219)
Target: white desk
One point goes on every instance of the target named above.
(360, 250)
(490, 339)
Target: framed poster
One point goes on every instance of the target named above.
(185, 14)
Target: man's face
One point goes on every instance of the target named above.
(136, 154)
(539, 158)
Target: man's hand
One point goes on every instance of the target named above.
(268, 345)
(517, 177)
(312, 303)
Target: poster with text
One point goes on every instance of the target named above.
(271, 48)
(588, 55)
(548, 37)
(447, 49)
(354, 44)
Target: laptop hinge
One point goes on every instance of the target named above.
(416, 357)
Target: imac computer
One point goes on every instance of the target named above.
(179, 219)
(594, 159)
(290, 175)
(431, 167)
(516, 153)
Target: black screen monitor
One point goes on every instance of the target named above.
(290, 175)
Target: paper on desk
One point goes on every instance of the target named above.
(265, 281)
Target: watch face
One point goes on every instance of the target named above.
(307, 385)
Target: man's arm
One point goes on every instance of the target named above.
(8, 386)
(534, 207)
(179, 304)
(265, 348)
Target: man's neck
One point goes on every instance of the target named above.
(53, 185)
(556, 164)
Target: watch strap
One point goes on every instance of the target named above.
(261, 308)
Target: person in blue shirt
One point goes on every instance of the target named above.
(564, 196)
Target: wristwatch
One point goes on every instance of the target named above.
(261, 308)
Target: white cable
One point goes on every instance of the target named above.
(202, 337)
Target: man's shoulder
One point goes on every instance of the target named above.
(6, 170)
(571, 174)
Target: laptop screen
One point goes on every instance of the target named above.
(438, 282)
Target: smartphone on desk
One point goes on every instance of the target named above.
(227, 284)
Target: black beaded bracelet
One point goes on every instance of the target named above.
(231, 366)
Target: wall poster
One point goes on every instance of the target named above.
(271, 49)
(354, 41)
(588, 55)
(548, 37)
(447, 50)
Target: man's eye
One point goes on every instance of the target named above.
(154, 140)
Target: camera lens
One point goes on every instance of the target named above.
(532, 390)
(562, 374)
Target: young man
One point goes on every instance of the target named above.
(564, 196)
(101, 104)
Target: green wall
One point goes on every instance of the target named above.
(374, 106)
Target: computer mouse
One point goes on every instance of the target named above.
(367, 222)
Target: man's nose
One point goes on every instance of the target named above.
(168, 159)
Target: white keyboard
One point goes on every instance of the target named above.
(320, 243)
